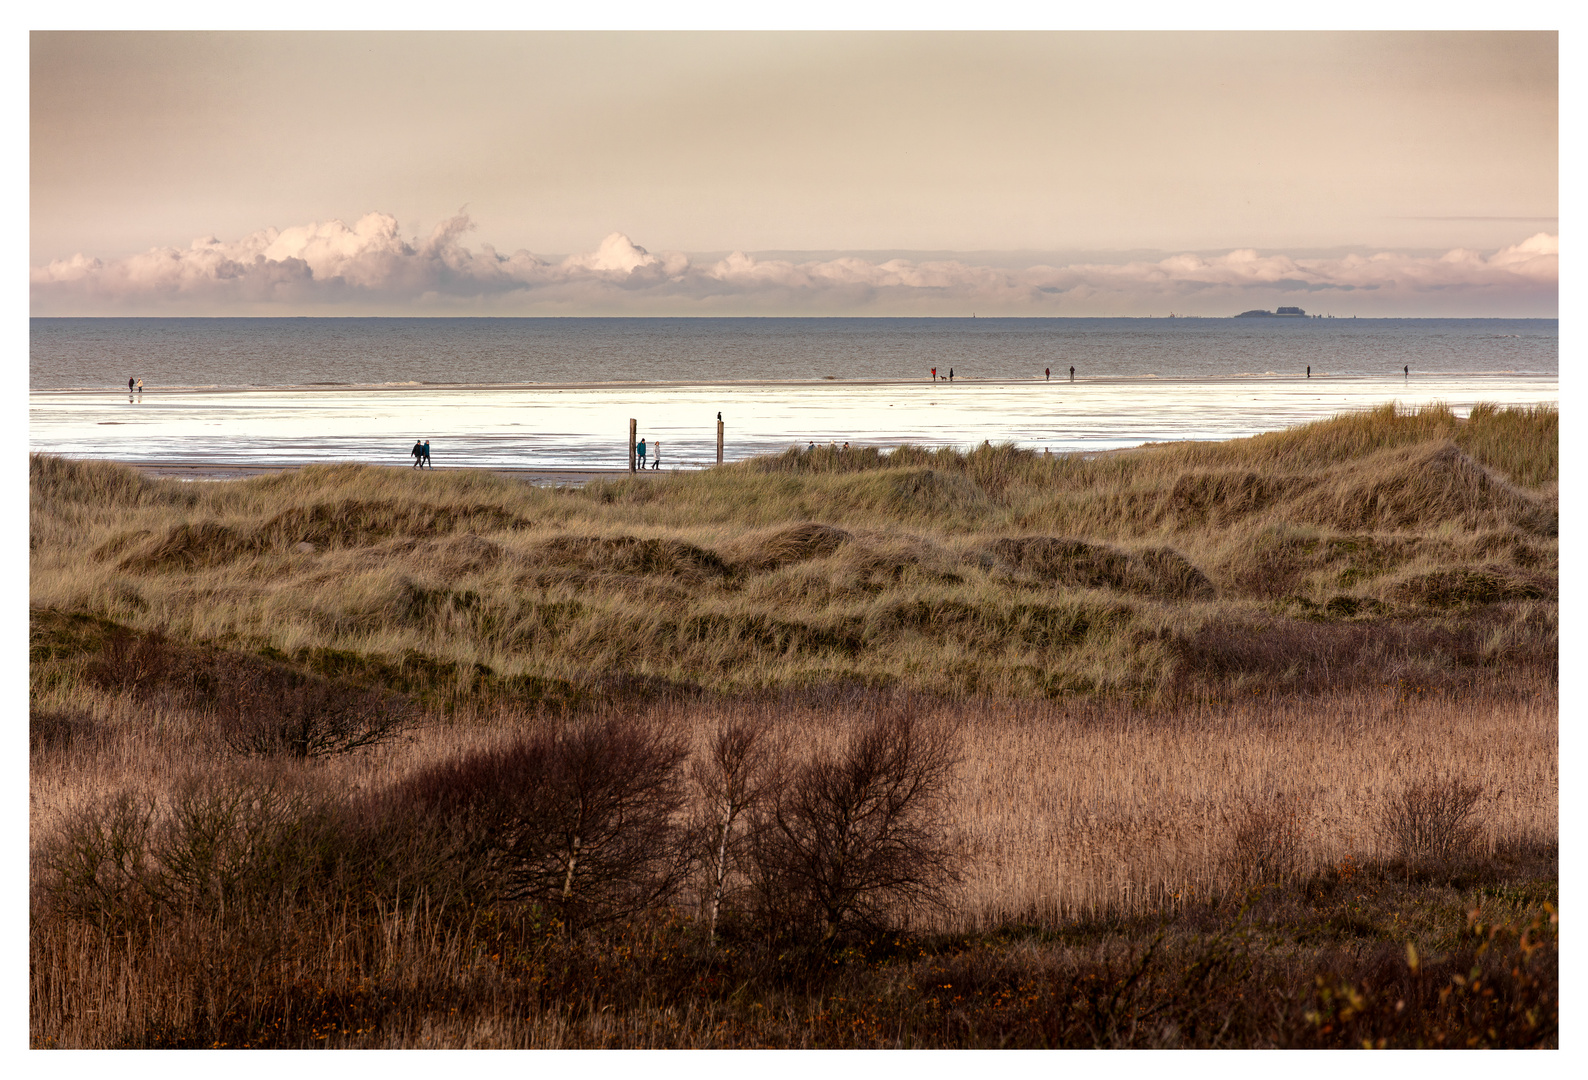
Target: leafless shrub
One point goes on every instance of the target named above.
(1265, 839)
(1429, 823)
(96, 867)
(230, 843)
(857, 830)
(739, 773)
(263, 708)
(135, 663)
(581, 820)
(224, 845)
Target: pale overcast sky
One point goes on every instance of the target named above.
(1040, 173)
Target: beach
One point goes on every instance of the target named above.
(578, 428)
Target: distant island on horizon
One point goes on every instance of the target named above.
(1282, 313)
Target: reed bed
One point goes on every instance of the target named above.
(1085, 815)
(1060, 811)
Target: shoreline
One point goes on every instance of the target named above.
(234, 470)
(1245, 378)
(238, 470)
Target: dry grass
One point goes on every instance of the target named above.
(1061, 816)
(1061, 811)
(999, 572)
(1237, 723)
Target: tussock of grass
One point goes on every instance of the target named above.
(1161, 571)
(1407, 488)
(797, 543)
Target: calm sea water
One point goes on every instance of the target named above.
(558, 393)
(301, 352)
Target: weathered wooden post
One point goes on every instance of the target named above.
(719, 442)
(634, 429)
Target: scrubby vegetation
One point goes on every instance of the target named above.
(1236, 744)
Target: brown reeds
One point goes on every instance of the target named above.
(1086, 815)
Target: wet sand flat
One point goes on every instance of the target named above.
(551, 429)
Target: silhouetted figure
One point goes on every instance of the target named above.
(1072, 372)
(1408, 370)
(130, 383)
(1309, 371)
(1047, 374)
(719, 418)
(950, 374)
(418, 452)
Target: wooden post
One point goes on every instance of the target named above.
(719, 442)
(634, 427)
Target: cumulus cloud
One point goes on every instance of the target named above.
(369, 266)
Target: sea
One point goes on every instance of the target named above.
(558, 393)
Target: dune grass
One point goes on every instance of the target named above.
(1204, 697)
(998, 572)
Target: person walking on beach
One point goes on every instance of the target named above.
(950, 374)
(640, 450)
(1047, 374)
(1309, 371)
(426, 453)
(1072, 372)
(129, 388)
(140, 388)
(1408, 370)
(934, 378)
(418, 453)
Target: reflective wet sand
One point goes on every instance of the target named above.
(550, 428)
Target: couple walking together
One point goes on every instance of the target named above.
(421, 454)
(656, 463)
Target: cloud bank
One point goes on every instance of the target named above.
(331, 268)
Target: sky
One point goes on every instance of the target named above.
(793, 173)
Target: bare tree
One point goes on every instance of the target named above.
(861, 829)
(736, 777)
